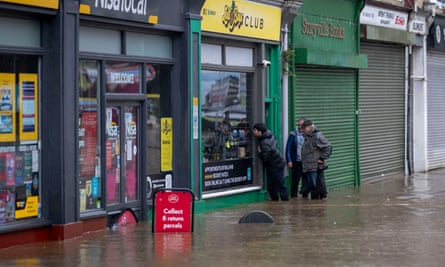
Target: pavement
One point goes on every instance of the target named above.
(392, 221)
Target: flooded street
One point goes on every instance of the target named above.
(393, 222)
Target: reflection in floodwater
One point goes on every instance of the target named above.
(395, 222)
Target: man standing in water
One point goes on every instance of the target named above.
(273, 162)
(314, 153)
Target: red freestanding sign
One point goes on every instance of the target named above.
(173, 211)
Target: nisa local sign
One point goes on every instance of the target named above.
(241, 18)
(135, 10)
(53, 4)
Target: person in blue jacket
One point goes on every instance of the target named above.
(294, 144)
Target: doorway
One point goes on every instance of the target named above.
(122, 156)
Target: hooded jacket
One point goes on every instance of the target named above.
(315, 147)
(270, 154)
(293, 146)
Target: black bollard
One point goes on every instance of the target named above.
(256, 216)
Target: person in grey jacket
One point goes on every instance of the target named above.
(273, 162)
(314, 153)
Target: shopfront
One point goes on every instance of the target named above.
(383, 87)
(324, 80)
(23, 81)
(239, 75)
(127, 117)
(435, 96)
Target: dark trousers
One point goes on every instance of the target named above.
(321, 184)
(276, 184)
(297, 175)
(317, 184)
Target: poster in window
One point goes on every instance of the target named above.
(28, 118)
(166, 144)
(88, 135)
(7, 107)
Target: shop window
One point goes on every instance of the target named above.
(19, 138)
(239, 56)
(226, 135)
(20, 32)
(89, 136)
(146, 45)
(97, 40)
(158, 92)
(211, 54)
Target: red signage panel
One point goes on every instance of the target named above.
(173, 211)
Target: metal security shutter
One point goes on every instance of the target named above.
(382, 105)
(436, 110)
(328, 98)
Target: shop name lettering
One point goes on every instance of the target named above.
(322, 29)
(388, 16)
(232, 19)
(135, 7)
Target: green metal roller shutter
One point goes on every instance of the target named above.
(382, 106)
(436, 110)
(328, 98)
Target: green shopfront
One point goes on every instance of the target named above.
(324, 79)
(240, 85)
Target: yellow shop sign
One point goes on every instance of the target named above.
(53, 4)
(242, 18)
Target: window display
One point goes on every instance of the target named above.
(89, 145)
(159, 125)
(226, 133)
(19, 152)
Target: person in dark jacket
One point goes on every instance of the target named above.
(293, 158)
(314, 153)
(273, 162)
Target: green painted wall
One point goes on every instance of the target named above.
(325, 38)
(326, 32)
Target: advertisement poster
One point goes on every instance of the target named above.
(7, 205)
(7, 107)
(173, 212)
(227, 174)
(28, 107)
(166, 144)
(2, 169)
(19, 168)
(88, 141)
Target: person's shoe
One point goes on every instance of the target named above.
(324, 198)
(305, 196)
(284, 199)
